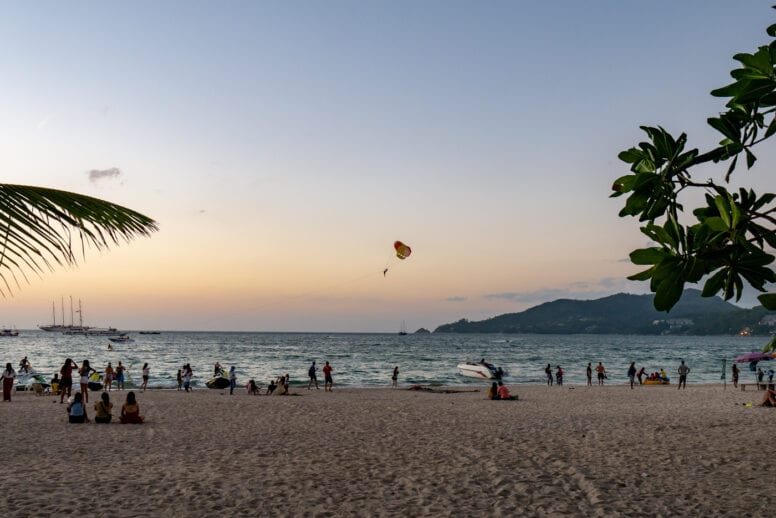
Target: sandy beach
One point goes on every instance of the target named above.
(597, 451)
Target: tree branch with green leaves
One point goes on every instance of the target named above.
(728, 241)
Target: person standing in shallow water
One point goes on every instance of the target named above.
(313, 377)
(395, 377)
(632, 374)
(146, 373)
(601, 373)
(232, 380)
(548, 374)
(327, 381)
(683, 371)
(589, 373)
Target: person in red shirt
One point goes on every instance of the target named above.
(327, 381)
(66, 382)
(503, 392)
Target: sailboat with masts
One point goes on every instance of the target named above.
(62, 328)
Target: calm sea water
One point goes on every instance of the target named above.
(368, 359)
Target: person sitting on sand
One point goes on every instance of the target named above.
(271, 387)
(503, 392)
(493, 391)
(130, 411)
(76, 411)
(282, 386)
(769, 398)
(102, 409)
(253, 389)
(663, 375)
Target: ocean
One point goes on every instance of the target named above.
(367, 360)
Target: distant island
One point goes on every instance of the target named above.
(627, 314)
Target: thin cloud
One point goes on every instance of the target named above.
(96, 175)
(456, 299)
(577, 290)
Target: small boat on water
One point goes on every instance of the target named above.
(7, 331)
(481, 370)
(121, 339)
(403, 329)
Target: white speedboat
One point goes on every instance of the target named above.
(120, 339)
(481, 370)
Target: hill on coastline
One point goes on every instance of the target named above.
(624, 314)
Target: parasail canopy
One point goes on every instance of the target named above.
(402, 250)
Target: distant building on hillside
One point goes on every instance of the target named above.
(674, 323)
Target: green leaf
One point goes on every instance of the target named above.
(750, 158)
(631, 156)
(642, 276)
(771, 128)
(715, 283)
(645, 256)
(668, 293)
(768, 300)
(724, 210)
(716, 224)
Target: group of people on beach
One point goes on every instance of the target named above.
(558, 375)
(130, 410)
(328, 382)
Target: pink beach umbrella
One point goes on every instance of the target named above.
(753, 357)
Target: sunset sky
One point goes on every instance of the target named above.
(284, 146)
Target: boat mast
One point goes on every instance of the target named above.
(62, 307)
(53, 313)
(71, 311)
(80, 315)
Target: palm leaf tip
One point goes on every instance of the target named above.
(37, 226)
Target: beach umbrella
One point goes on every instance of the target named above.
(753, 357)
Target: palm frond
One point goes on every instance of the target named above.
(38, 226)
